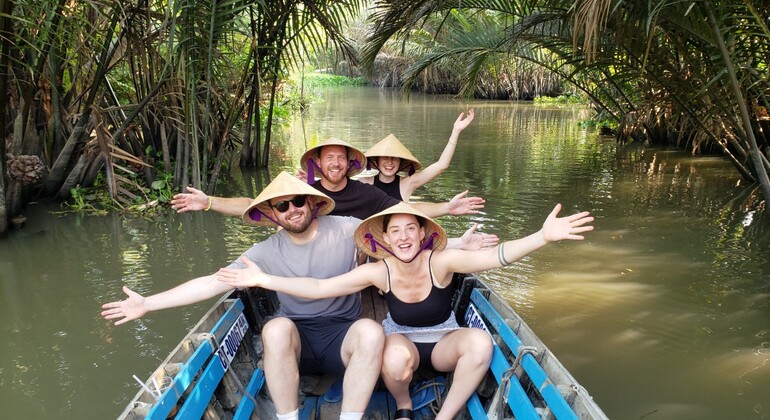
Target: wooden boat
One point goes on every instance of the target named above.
(216, 371)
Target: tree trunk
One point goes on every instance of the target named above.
(3, 209)
(754, 152)
(6, 6)
(58, 172)
(73, 178)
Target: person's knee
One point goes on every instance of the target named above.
(277, 333)
(480, 348)
(397, 362)
(369, 336)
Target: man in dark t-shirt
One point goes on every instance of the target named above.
(336, 161)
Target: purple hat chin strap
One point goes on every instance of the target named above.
(256, 215)
(354, 164)
(411, 169)
(373, 243)
(311, 166)
(318, 206)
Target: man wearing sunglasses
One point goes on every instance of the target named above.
(323, 335)
(334, 161)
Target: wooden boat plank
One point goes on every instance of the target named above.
(475, 408)
(196, 403)
(381, 407)
(309, 408)
(227, 320)
(518, 401)
(373, 305)
(328, 410)
(555, 401)
(199, 398)
(247, 405)
(168, 400)
(178, 357)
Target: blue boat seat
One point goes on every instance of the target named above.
(518, 401)
(199, 377)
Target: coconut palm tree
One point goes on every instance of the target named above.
(128, 89)
(689, 73)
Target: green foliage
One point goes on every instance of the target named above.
(83, 200)
(600, 121)
(301, 90)
(162, 188)
(146, 199)
(315, 80)
(561, 100)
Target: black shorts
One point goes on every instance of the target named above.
(425, 350)
(321, 340)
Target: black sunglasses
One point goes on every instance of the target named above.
(283, 206)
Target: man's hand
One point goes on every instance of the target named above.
(460, 204)
(250, 276)
(193, 200)
(474, 241)
(127, 310)
(569, 227)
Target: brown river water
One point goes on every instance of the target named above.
(663, 312)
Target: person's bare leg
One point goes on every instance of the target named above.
(362, 355)
(281, 341)
(467, 352)
(399, 361)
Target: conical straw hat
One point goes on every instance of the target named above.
(391, 146)
(357, 158)
(369, 234)
(284, 184)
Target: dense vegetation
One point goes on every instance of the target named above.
(142, 98)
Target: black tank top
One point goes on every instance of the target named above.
(434, 310)
(392, 189)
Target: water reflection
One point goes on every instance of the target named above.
(662, 312)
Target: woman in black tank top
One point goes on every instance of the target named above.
(390, 157)
(421, 327)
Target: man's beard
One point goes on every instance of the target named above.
(298, 227)
(339, 176)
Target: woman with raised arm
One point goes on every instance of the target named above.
(421, 329)
(390, 157)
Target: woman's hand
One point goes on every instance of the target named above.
(474, 241)
(460, 204)
(463, 121)
(569, 227)
(250, 276)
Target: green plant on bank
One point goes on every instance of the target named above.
(82, 201)
(301, 90)
(146, 200)
(162, 189)
(606, 126)
(561, 100)
(316, 80)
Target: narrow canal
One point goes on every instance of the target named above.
(662, 313)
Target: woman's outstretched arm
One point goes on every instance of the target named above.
(307, 287)
(554, 229)
(411, 183)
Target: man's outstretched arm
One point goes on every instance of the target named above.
(197, 200)
(136, 306)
